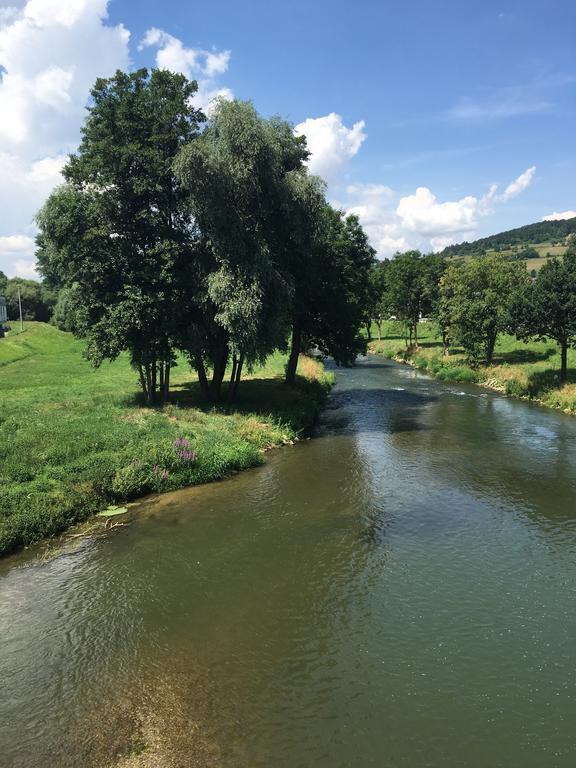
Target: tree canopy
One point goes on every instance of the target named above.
(546, 307)
(475, 297)
(173, 232)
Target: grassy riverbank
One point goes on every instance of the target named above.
(519, 369)
(74, 439)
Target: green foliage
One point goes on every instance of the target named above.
(236, 176)
(407, 288)
(475, 297)
(457, 373)
(546, 308)
(117, 235)
(37, 299)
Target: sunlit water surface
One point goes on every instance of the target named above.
(399, 591)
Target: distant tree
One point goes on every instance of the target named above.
(407, 291)
(475, 298)
(546, 308)
(3, 282)
(525, 253)
(379, 295)
(118, 231)
(37, 300)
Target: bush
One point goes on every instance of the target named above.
(517, 388)
(457, 373)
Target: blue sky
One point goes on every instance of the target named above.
(414, 111)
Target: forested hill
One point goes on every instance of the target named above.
(553, 232)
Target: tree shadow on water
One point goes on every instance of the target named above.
(388, 411)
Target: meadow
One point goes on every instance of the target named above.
(526, 370)
(74, 439)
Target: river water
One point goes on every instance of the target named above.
(399, 591)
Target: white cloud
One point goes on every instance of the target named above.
(520, 184)
(26, 268)
(195, 63)
(16, 244)
(51, 52)
(331, 143)
(18, 250)
(559, 216)
(420, 220)
(422, 213)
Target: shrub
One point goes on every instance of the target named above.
(516, 388)
(458, 373)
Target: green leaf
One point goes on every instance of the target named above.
(111, 511)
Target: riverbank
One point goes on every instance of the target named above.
(525, 370)
(74, 440)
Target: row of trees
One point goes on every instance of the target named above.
(475, 300)
(174, 232)
(38, 301)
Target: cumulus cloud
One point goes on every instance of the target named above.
(195, 63)
(51, 52)
(520, 184)
(420, 220)
(331, 143)
(559, 216)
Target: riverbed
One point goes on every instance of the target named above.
(397, 592)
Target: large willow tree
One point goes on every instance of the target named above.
(235, 174)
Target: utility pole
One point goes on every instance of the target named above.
(20, 307)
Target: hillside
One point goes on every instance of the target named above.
(546, 237)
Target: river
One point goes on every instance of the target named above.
(398, 592)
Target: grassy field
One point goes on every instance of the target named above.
(521, 370)
(74, 440)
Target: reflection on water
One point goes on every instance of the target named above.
(399, 591)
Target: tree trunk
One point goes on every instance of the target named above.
(232, 377)
(237, 375)
(491, 343)
(218, 373)
(416, 334)
(369, 330)
(142, 379)
(154, 385)
(201, 371)
(148, 376)
(564, 358)
(379, 329)
(165, 381)
(295, 349)
(445, 343)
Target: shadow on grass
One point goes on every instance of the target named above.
(540, 382)
(520, 356)
(295, 406)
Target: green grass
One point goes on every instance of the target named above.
(74, 439)
(528, 370)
